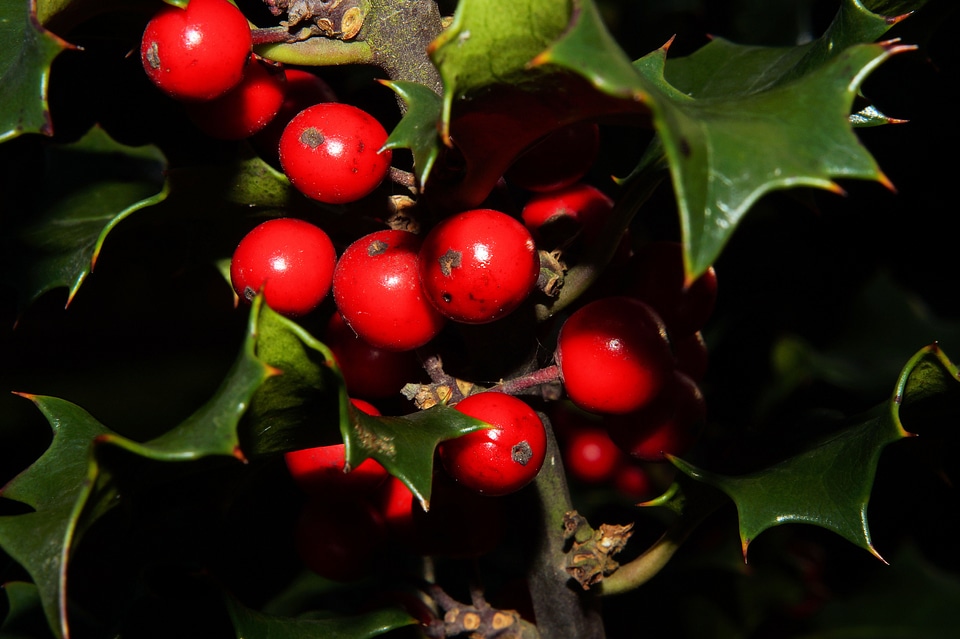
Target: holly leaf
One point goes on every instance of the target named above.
(404, 445)
(307, 402)
(716, 110)
(24, 611)
(498, 99)
(251, 623)
(417, 130)
(85, 190)
(70, 486)
(829, 483)
(27, 50)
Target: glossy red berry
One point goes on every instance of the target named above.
(478, 266)
(498, 460)
(339, 538)
(671, 424)
(556, 217)
(320, 471)
(657, 276)
(198, 52)
(331, 152)
(590, 456)
(244, 109)
(613, 355)
(557, 160)
(291, 260)
(369, 371)
(376, 287)
(303, 89)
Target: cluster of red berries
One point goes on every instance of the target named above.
(347, 517)
(330, 151)
(634, 355)
(633, 358)
(637, 358)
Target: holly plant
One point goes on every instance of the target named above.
(477, 318)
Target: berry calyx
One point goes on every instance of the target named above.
(290, 260)
(198, 52)
(331, 152)
(478, 266)
(613, 355)
(377, 290)
(246, 108)
(498, 460)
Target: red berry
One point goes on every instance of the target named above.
(304, 89)
(557, 160)
(477, 266)
(290, 259)
(320, 471)
(331, 152)
(376, 287)
(498, 460)
(613, 355)
(590, 456)
(657, 277)
(633, 481)
(554, 217)
(339, 538)
(199, 52)
(367, 370)
(244, 109)
(671, 424)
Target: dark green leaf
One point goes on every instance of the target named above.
(250, 623)
(69, 488)
(302, 406)
(24, 618)
(405, 445)
(87, 188)
(717, 110)
(26, 52)
(417, 130)
(829, 484)
(501, 94)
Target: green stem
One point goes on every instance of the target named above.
(582, 276)
(562, 611)
(632, 575)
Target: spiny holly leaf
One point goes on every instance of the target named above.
(69, 487)
(26, 52)
(882, 329)
(497, 101)
(716, 111)
(85, 190)
(829, 484)
(405, 445)
(417, 130)
(251, 623)
(304, 405)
